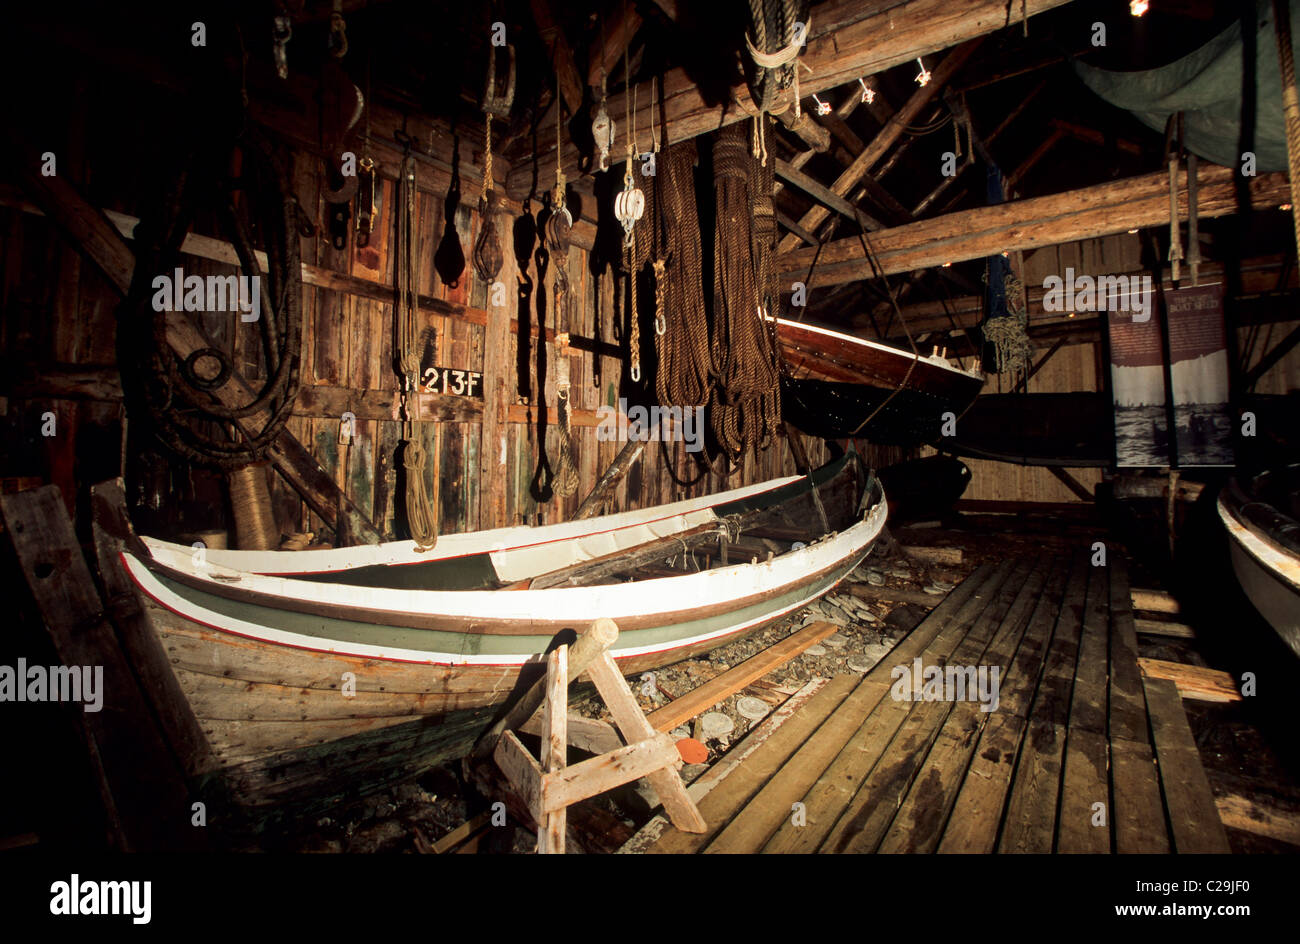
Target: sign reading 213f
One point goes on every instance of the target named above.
(460, 383)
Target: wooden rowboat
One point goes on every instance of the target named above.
(836, 386)
(328, 674)
(1262, 516)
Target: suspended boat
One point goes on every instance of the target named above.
(1262, 516)
(836, 386)
(1046, 429)
(331, 673)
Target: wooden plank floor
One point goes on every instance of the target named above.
(1079, 754)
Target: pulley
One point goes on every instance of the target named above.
(602, 131)
(629, 206)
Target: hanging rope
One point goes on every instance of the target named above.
(746, 406)
(1290, 104)
(420, 517)
(558, 229)
(169, 389)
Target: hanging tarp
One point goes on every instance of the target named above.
(1207, 86)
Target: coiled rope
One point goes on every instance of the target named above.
(746, 399)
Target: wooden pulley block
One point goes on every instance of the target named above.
(488, 255)
(558, 228)
(602, 131)
(499, 95)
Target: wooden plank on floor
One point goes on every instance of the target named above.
(1083, 824)
(1155, 601)
(1152, 627)
(865, 820)
(918, 825)
(734, 679)
(720, 804)
(939, 631)
(973, 823)
(1030, 821)
(1193, 681)
(1193, 818)
(1137, 810)
(760, 734)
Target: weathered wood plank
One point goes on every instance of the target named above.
(1193, 817)
(734, 679)
(142, 784)
(1101, 210)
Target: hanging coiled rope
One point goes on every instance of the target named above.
(169, 389)
(673, 245)
(421, 519)
(746, 405)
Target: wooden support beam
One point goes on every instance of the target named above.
(828, 197)
(1039, 364)
(1038, 153)
(1271, 359)
(845, 45)
(560, 52)
(1070, 482)
(1103, 210)
(620, 30)
(1256, 274)
(795, 228)
(888, 135)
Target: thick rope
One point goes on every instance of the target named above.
(420, 516)
(746, 407)
(1290, 104)
(684, 375)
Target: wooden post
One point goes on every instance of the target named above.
(550, 832)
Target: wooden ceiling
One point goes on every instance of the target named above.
(1002, 91)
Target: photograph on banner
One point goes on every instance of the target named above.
(1199, 370)
(1137, 371)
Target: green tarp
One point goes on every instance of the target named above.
(1207, 86)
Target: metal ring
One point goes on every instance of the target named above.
(661, 324)
(194, 380)
(635, 373)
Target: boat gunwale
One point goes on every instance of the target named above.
(580, 599)
(1271, 555)
(940, 363)
(408, 555)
